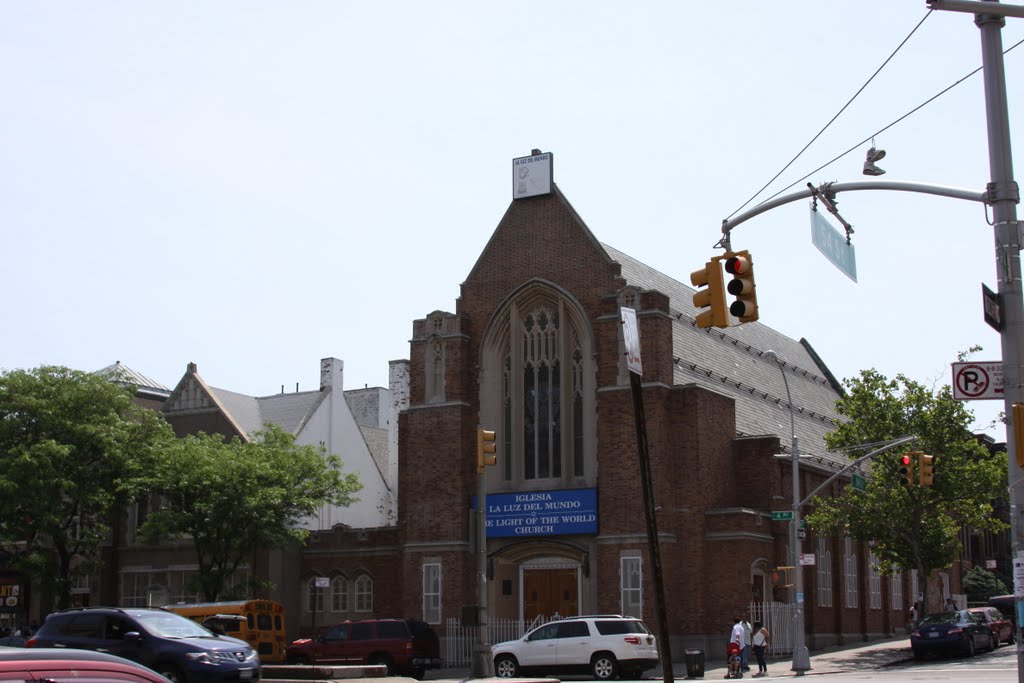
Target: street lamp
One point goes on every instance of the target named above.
(801, 658)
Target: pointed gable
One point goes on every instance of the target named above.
(193, 406)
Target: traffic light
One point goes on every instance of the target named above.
(782, 577)
(713, 298)
(906, 471)
(925, 469)
(486, 450)
(742, 286)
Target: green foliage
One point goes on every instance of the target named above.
(914, 528)
(981, 584)
(235, 497)
(73, 448)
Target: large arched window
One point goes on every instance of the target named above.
(538, 387)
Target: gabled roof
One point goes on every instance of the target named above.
(732, 361)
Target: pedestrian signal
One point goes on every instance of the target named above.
(782, 577)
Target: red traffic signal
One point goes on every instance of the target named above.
(742, 286)
(906, 470)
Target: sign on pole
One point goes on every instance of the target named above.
(976, 381)
(833, 245)
(858, 483)
(782, 516)
(631, 340)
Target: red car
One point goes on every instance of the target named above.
(406, 647)
(1002, 628)
(58, 665)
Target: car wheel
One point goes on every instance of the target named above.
(418, 673)
(918, 654)
(299, 660)
(506, 666)
(383, 660)
(972, 647)
(603, 666)
(1012, 638)
(171, 673)
(993, 642)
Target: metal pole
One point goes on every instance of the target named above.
(801, 657)
(1004, 195)
(483, 665)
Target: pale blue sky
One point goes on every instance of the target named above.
(253, 186)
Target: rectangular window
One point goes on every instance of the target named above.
(631, 586)
(896, 586)
(874, 583)
(850, 567)
(432, 592)
(824, 574)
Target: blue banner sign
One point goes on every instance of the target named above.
(541, 513)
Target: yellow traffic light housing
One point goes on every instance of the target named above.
(741, 267)
(906, 471)
(486, 450)
(925, 469)
(713, 298)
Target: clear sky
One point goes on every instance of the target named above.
(253, 186)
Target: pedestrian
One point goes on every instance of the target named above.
(734, 651)
(950, 605)
(915, 613)
(745, 653)
(760, 641)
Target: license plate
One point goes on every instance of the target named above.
(245, 674)
(933, 634)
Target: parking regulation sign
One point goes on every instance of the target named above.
(975, 381)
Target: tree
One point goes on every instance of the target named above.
(915, 527)
(981, 584)
(235, 497)
(73, 448)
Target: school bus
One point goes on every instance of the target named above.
(258, 622)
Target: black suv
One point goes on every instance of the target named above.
(168, 643)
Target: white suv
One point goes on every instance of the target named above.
(604, 645)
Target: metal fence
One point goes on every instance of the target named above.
(777, 617)
(459, 640)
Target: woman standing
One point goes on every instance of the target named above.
(760, 641)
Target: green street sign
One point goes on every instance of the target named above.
(782, 516)
(859, 483)
(833, 245)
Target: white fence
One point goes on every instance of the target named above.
(459, 640)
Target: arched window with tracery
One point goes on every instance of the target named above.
(539, 352)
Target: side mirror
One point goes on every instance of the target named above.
(132, 636)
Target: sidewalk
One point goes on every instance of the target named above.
(858, 656)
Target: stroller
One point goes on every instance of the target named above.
(732, 656)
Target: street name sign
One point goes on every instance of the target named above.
(782, 516)
(833, 245)
(858, 483)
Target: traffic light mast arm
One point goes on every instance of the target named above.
(831, 189)
(893, 444)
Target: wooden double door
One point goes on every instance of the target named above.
(550, 591)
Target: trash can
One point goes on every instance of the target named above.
(695, 663)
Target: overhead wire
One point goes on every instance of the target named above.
(887, 127)
(837, 114)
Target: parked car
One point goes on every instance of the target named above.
(604, 646)
(961, 632)
(1001, 626)
(61, 664)
(405, 646)
(12, 641)
(1007, 604)
(173, 646)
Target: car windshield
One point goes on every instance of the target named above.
(171, 625)
(943, 618)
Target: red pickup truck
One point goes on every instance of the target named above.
(405, 646)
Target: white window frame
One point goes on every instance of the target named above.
(364, 594)
(896, 591)
(874, 583)
(850, 571)
(314, 596)
(339, 594)
(432, 592)
(631, 586)
(824, 574)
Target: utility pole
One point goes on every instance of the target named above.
(1003, 195)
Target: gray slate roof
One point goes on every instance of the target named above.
(287, 411)
(732, 362)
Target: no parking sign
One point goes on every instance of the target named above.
(973, 381)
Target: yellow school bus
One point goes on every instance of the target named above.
(258, 622)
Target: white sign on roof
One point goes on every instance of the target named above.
(531, 176)
(631, 340)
